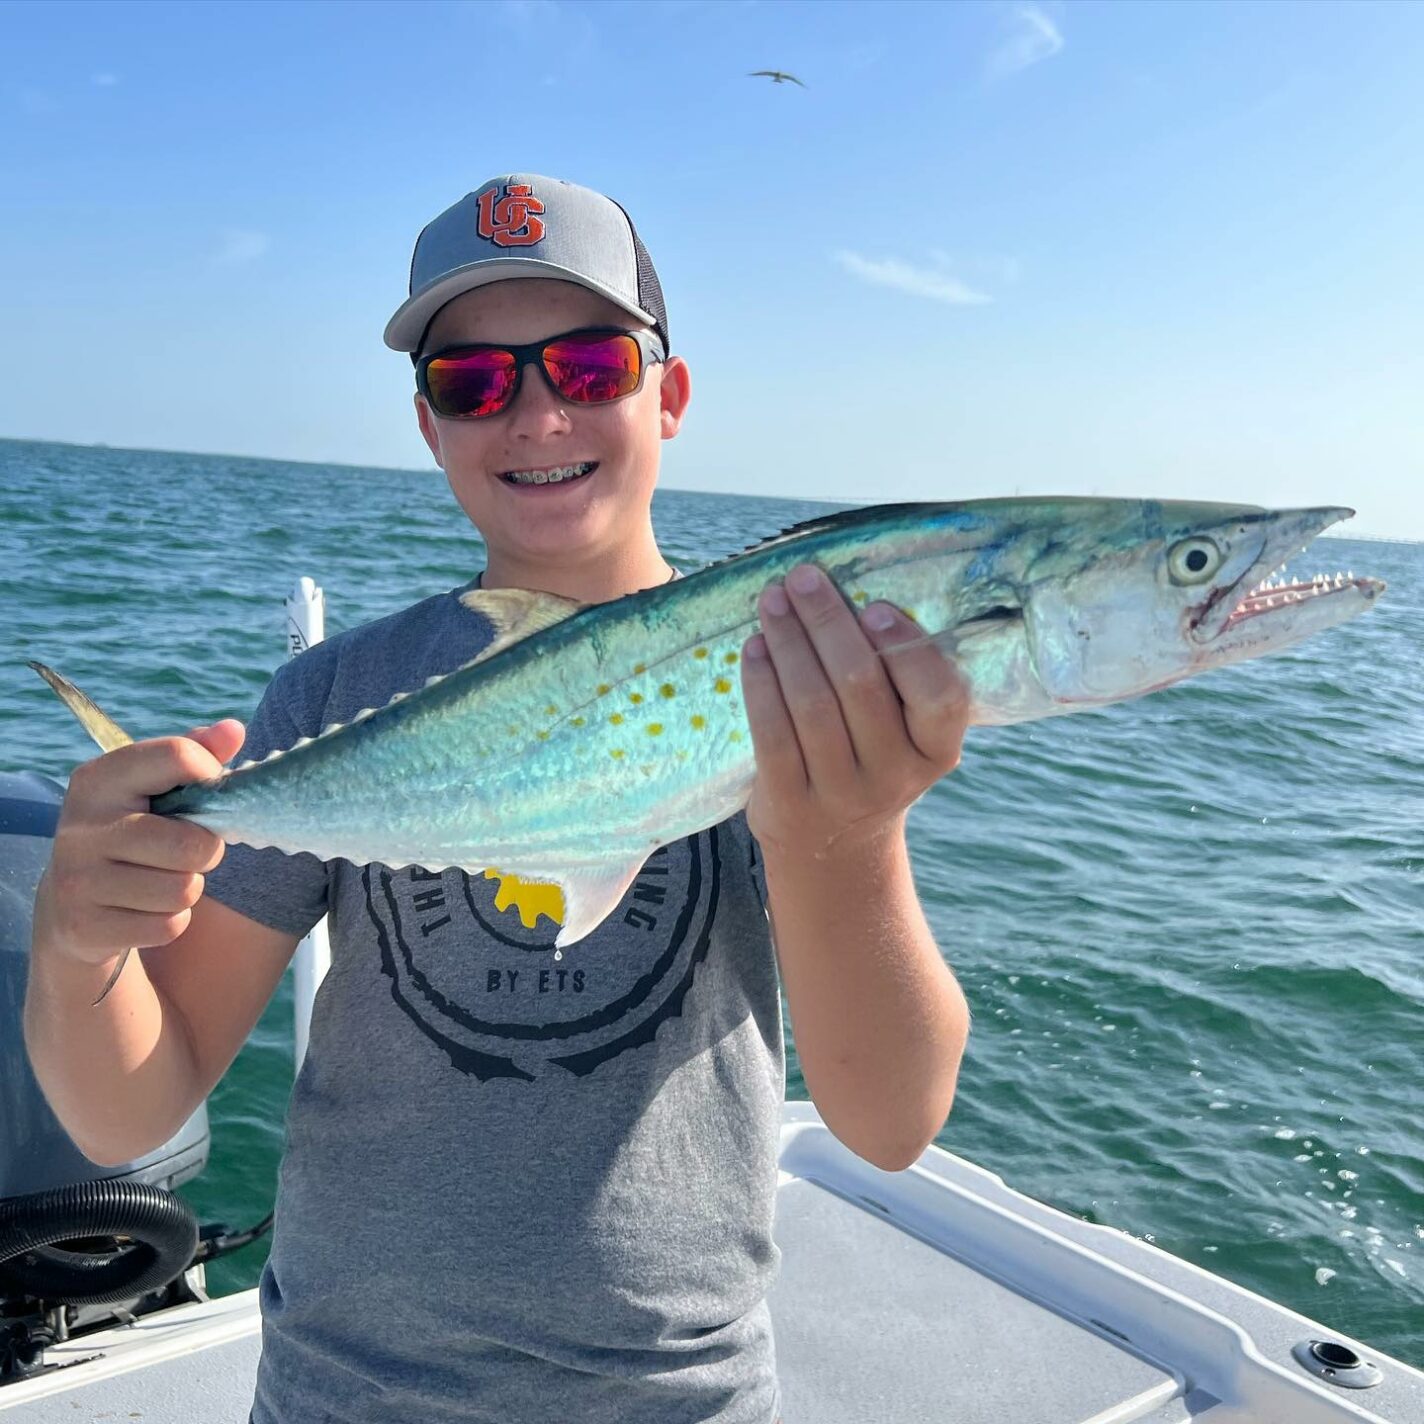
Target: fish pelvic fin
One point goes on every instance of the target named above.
(105, 731)
(516, 614)
(590, 896)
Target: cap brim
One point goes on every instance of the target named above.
(407, 326)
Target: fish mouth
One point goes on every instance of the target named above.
(1263, 593)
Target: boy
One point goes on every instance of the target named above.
(517, 1189)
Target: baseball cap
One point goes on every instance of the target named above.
(527, 225)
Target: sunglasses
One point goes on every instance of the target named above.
(590, 366)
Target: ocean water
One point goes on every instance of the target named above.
(1191, 927)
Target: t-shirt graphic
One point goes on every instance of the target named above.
(472, 961)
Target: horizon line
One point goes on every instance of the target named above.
(852, 502)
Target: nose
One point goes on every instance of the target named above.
(537, 409)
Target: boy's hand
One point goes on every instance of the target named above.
(120, 877)
(845, 740)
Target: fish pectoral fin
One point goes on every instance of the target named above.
(516, 614)
(590, 896)
(105, 731)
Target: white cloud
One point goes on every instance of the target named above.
(241, 246)
(938, 286)
(1033, 36)
(105, 80)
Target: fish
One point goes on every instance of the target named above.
(628, 715)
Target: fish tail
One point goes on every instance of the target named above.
(105, 731)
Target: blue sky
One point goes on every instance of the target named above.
(1166, 249)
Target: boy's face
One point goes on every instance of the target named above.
(588, 521)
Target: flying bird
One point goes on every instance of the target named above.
(775, 75)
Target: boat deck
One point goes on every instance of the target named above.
(935, 1294)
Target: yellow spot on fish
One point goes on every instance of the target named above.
(512, 730)
(730, 659)
(699, 652)
(578, 722)
(529, 899)
(655, 729)
(543, 736)
(722, 685)
(640, 667)
(551, 711)
(603, 688)
(635, 697)
(668, 690)
(616, 719)
(699, 722)
(860, 595)
(910, 614)
(734, 737)
(617, 753)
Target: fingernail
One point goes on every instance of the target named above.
(879, 618)
(804, 579)
(775, 600)
(756, 646)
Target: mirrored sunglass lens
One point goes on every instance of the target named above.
(475, 384)
(591, 369)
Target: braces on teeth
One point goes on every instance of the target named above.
(548, 477)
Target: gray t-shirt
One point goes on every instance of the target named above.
(516, 1189)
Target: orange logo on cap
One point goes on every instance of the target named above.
(508, 222)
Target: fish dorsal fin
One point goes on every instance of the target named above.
(516, 614)
(106, 732)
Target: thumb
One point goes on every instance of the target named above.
(222, 739)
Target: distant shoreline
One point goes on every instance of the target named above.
(838, 500)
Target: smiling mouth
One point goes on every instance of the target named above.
(552, 475)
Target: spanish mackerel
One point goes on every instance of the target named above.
(628, 715)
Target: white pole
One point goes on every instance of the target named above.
(306, 626)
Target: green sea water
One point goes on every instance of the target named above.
(1191, 928)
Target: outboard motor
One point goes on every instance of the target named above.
(79, 1243)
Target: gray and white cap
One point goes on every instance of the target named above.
(526, 225)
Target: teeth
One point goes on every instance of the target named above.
(547, 477)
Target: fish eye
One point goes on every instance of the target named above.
(1193, 560)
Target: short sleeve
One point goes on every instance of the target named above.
(284, 892)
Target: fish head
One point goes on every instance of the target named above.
(1173, 589)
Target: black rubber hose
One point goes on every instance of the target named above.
(161, 1227)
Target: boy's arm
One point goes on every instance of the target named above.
(122, 1071)
(845, 742)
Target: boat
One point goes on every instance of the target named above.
(937, 1293)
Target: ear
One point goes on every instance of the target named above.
(425, 418)
(674, 392)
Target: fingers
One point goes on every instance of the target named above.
(96, 935)
(811, 703)
(867, 698)
(131, 775)
(223, 740)
(120, 877)
(855, 688)
(933, 693)
(116, 885)
(779, 761)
